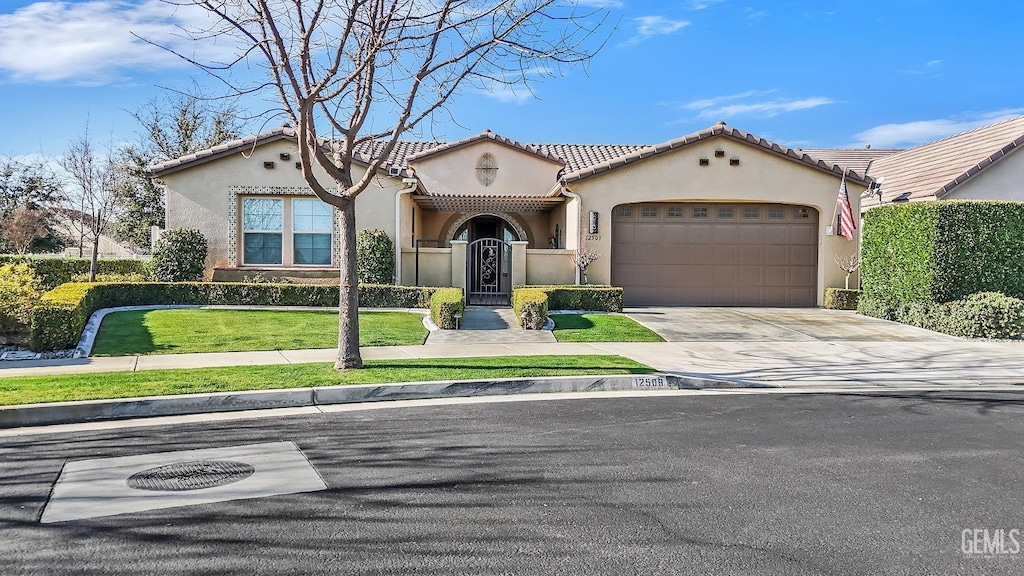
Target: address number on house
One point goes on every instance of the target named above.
(650, 382)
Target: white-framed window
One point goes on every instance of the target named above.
(751, 213)
(725, 212)
(674, 212)
(262, 226)
(312, 225)
(699, 213)
(776, 213)
(648, 212)
(624, 212)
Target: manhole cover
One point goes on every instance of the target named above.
(191, 475)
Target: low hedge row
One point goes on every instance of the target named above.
(841, 299)
(590, 297)
(61, 314)
(531, 307)
(444, 304)
(53, 272)
(980, 315)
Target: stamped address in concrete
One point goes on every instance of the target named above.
(650, 382)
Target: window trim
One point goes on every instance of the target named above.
(266, 232)
(313, 232)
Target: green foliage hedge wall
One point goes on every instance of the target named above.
(574, 297)
(53, 272)
(375, 257)
(531, 308)
(942, 251)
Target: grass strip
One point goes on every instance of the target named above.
(186, 331)
(601, 328)
(35, 389)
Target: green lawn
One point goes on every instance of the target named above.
(600, 328)
(190, 330)
(27, 390)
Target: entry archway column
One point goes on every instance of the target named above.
(459, 265)
(519, 262)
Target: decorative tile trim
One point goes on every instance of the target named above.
(285, 192)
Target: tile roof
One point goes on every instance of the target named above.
(719, 129)
(580, 160)
(856, 159)
(935, 169)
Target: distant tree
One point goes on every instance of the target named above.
(93, 198)
(170, 126)
(35, 190)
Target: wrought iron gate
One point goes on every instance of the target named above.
(489, 272)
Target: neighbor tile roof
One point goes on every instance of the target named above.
(719, 129)
(856, 159)
(935, 169)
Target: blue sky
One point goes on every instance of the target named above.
(814, 73)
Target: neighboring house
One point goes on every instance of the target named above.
(981, 164)
(73, 227)
(718, 217)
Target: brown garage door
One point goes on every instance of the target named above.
(694, 254)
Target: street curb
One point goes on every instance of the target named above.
(126, 408)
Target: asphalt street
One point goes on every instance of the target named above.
(854, 483)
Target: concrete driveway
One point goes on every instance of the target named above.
(693, 324)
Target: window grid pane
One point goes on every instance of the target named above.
(624, 212)
(649, 212)
(776, 213)
(725, 212)
(312, 215)
(312, 249)
(262, 214)
(674, 212)
(699, 213)
(751, 213)
(261, 248)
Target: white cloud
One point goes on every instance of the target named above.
(931, 68)
(517, 90)
(753, 103)
(650, 26)
(91, 42)
(923, 131)
(702, 4)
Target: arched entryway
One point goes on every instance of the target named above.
(488, 259)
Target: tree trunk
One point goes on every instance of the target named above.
(95, 256)
(348, 303)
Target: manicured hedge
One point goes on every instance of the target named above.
(981, 315)
(841, 299)
(590, 297)
(444, 304)
(53, 272)
(61, 314)
(531, 307)
(942, 251)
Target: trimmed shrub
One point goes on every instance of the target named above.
(531, 308)
(444, 303)
(984, 315)
(942, 251)
(19, 291)
(61, 314)
(375, 257)
(573, 297)
(841, 299)
(981, 315)
(179, 256)
(53, 272)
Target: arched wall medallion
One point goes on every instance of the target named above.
(487, 169)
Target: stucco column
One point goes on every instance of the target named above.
(519, 262)
(459, 264)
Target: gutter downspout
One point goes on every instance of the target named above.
(411, 185)
(579, 223)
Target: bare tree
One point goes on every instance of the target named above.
(848, 264)
(94, 198)
(350, 73)
(24, 226)
(583, 258)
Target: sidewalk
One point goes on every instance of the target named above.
(743, 363)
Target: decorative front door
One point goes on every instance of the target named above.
(489, 272)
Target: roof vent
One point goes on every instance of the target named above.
(394, 170)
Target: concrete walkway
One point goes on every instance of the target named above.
(487, 325)
(959, 362)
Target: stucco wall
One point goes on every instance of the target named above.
(1003, 180)
(518, 172)
(760, 177)
(550, 267)
(198, 197)
(435, 267)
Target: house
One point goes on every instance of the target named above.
(717, 217)
(980, 164)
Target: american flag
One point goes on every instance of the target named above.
(847, 224)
